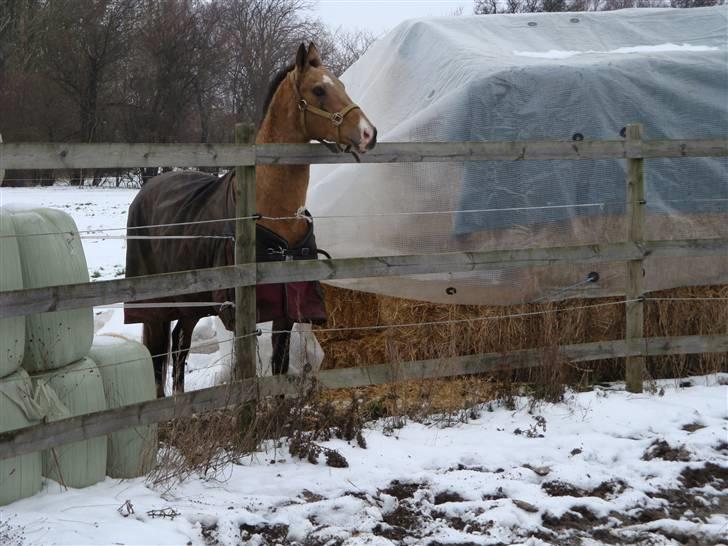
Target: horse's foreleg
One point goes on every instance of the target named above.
(181, 341)
(281, 345)
(156, 339)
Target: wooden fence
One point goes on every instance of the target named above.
(244, 275)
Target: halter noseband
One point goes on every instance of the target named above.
(336, 118)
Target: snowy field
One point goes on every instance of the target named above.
(605, 467)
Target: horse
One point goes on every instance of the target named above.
(305, 102)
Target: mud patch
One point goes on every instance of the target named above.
(209, 534)
(402, 490)
(578, 517)
(448, 496)
(404, 521)
(270, 534)
(710, 474)
(604, 490)
(660, 449)
(692, 427)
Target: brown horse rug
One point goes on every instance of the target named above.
(191, 200)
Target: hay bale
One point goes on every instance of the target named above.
(496, 329)
(12, 330)
(56, 339)
(20, 477)
(74, 390)
(128, 376)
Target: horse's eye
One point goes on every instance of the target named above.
(319, 91)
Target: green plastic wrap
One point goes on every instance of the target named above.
(128, 376)
(52, 340)
(78, 389)
(20, 477)
(12, 330)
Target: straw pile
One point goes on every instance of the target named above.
(561, 323)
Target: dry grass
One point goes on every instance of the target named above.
(560, 324)
(208, 443)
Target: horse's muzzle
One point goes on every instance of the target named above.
(373, 141)
(367, 137)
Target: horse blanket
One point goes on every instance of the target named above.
(191, 199)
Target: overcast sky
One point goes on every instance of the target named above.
(379, 16)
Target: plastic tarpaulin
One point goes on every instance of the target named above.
(73, 390)
(558, 76)
(128, 377)
(20, 477)
(51, 254)
(12, 329)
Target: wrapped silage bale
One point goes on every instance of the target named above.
(20, 477)
(128, 376)
(73, 390)
(12, 329)
(50, 254)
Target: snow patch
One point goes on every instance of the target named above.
(660, 48)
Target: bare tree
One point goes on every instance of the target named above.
(342, 48)
(262, 34)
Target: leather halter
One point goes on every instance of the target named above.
(336, 118)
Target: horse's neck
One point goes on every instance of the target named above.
(281, 190)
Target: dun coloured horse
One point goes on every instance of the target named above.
(305, 102)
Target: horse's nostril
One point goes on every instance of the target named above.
(373, 140)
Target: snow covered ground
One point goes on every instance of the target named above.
(92, 209)
(606, 467)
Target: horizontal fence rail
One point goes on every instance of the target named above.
(110, 156)
(73, 296)
(43, 436)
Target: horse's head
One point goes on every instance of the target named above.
(326, 111)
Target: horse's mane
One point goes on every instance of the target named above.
(272, 88)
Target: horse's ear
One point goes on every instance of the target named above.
(313, 57)
(301, 57)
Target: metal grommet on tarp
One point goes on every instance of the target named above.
(532, 24)
(574, 20)
(577, 136)
(451, 291)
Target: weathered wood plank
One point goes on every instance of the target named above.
(70, 156)
(635, 310)
(44, 436)
(245, 254)
(73, 296)
(49, 155)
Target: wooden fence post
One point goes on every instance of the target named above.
(635, 365)
(244, 253)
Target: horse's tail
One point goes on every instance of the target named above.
(156, 339)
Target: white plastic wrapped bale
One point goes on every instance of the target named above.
(128, 376)
(50, 254)
(12, 330)
(67, 392)
(20, 477)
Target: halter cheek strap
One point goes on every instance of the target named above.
(336, 118)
